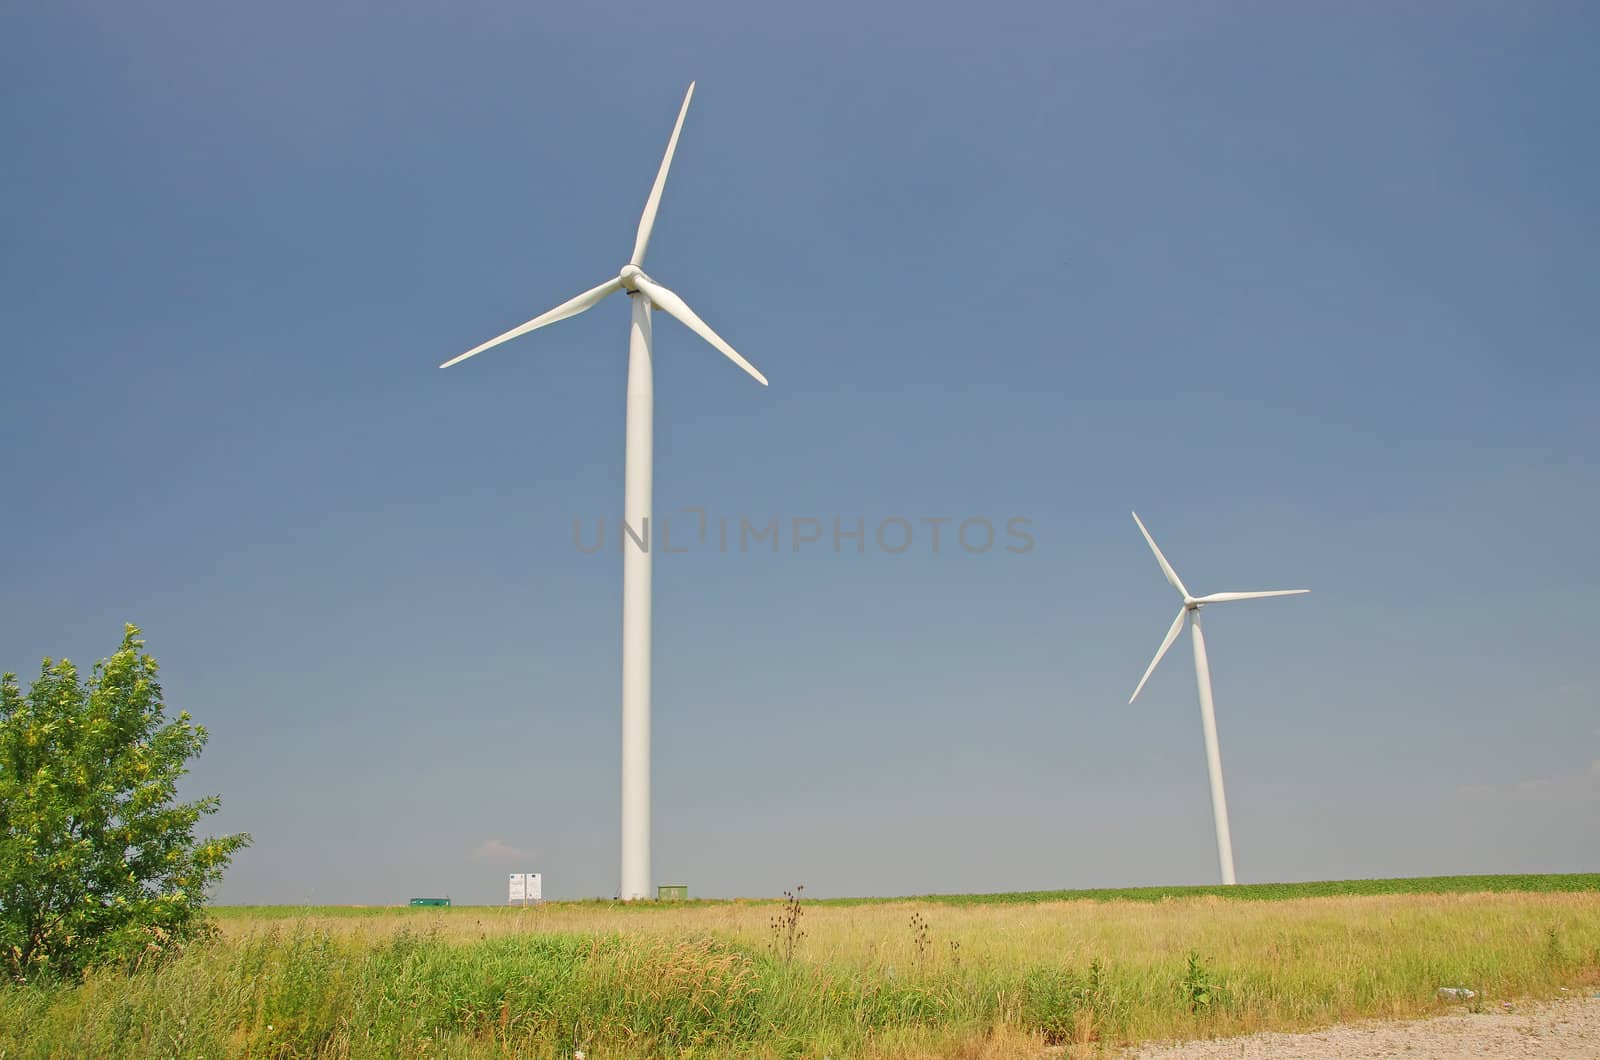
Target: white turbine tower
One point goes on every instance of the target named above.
(1202, 675)
(646, 295)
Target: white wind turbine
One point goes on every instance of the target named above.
(646, 295)
(1202, 675)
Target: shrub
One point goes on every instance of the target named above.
(98, 859)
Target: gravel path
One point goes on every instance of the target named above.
(1563, 1030)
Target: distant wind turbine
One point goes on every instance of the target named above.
(1202, 674)
(646, 295)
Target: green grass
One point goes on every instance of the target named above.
(1546, 883)
(951, 976)
(1564, 883)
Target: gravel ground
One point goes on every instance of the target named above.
(1563, 1030)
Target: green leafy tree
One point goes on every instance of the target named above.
(98, 859)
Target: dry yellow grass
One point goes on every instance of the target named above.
(706, 980)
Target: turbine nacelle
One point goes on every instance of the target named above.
(633, 280)
(1191, 604)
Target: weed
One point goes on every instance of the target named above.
(1095, 991)
(921, 936)
(786, 930)
(1200, 991)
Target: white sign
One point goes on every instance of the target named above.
(525, 887)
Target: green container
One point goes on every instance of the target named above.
(430, 901)
(672, 892)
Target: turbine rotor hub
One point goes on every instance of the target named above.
(630, 276)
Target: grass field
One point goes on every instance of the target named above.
(951, 976)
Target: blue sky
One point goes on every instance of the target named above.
(1312, 288)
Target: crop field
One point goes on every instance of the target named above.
(952, 976)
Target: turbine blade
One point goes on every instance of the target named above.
(1223, 598)
(676, 306)
(1166, 568)
(1172, 635)
(647, 220)
(566, 309)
